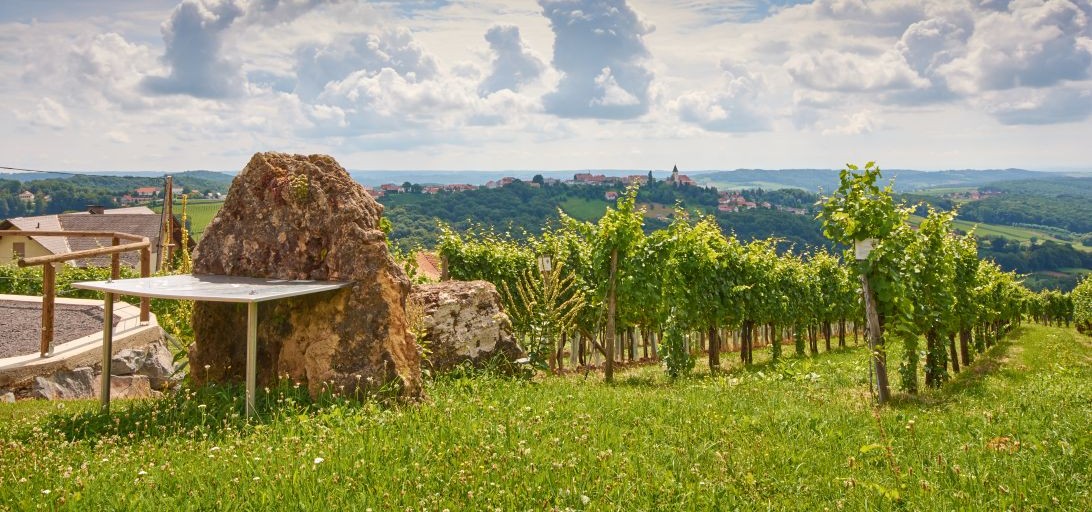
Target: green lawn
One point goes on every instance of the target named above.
(1013, 432)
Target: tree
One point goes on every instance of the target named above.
(538, 179)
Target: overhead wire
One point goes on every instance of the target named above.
(69, 173)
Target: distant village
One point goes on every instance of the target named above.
(140, 195)
(728, 202)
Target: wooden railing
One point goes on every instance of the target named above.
(49, 272)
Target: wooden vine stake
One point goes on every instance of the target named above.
(608, 343)
(875, 336)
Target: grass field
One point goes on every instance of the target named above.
(1021, 234)
(200, 213)
(1012, 432)
(580, 208)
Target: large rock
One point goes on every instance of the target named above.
(154, 361)
(303, 217)
(462, 321)
(66, 385)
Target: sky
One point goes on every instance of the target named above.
(549, 84)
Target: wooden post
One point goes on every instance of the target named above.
(875, 342)
(115, 260)
(49, 296)
(443, 269)
(107, 350)
(145, 271)
(608, 368)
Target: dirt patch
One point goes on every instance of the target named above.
(21, 325)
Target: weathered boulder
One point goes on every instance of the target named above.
(303, 217)
(7, 397)
(66, 385)
(462, 321)
(153, 361)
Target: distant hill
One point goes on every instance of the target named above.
(906, 180)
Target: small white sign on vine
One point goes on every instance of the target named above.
(862, 248)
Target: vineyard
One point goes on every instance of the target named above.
(677, 369)
(613, 293)
(199, 213)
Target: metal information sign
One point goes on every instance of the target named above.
(213, 288)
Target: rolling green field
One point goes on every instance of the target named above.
(200, 213)
(1010, 432)
(580, 208)
(1020, 234)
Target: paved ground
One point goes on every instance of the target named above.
(21, 325)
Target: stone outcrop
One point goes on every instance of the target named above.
(303, 217)
(462, 321)
(135, 373)
(65, 385)
(155, 362)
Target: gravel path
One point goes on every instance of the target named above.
(21, 325)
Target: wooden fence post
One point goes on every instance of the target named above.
(49, 297)
(145, 271)
(115, 260)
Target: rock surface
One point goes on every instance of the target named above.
(129, 386)
(463, 321)
(154, 362)
(7, 397)
(66, 385)
(303, 217)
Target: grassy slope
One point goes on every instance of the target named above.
(200, 213)
(1020, 234)
(1011, 433)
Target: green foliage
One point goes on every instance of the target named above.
(676, 354)
(1082, 305)
(859, 209)
(542, 307)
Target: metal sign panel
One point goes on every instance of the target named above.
(211, 288)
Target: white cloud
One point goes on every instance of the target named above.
(513, 63)
(47, 113)
(591, 36)
(731, 108)
(983, 82)
(193, 37)
(856, 123)
(829, 70)
(1034, 44)
(1040, 106)
(369, 54)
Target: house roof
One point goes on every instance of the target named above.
(140, 221)
(428, 265)
(140, 224)
(53, 244)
